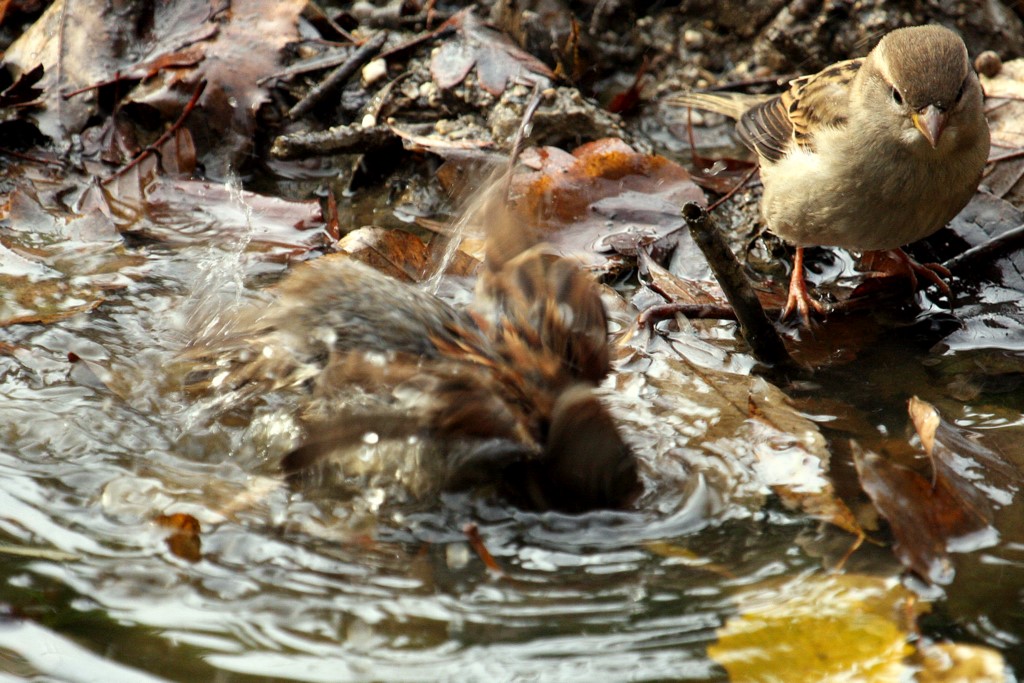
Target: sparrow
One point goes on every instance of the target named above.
(502, 392)
(868, 154)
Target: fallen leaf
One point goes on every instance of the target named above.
(819, 628)
(398, 253)
(184, 541)
(953, 510)
(1004, 99)
(604, 197)
(497, 59)
(230, 46)
(960, 663)
(793, 458)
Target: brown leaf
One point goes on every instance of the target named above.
(604, 197)
(497, 59)
(230, 46)
(143, 201)
(398, 253)
(928, 520)
(792, 458)
(184, 541)
(1004, 94)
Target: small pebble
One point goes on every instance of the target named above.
(988, 63)
(693, 39)
(369, 121)
(374, 71)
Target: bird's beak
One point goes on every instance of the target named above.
(930, 121)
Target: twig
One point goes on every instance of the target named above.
(988, 251)
(328, 62)
(521, 133)
(154, 148)
(350, 139)
(337, 77)
(735, 188)
(31, 159)
(442, 30)
(764, 340)
(95, 86)
(477, 543)
(659, 312)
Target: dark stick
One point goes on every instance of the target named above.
(764, 341)
(988, 251)
(350, 139)
(337, 77)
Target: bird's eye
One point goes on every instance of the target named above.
(960, 92)
(896, 96)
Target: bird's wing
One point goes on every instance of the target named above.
(811, 103)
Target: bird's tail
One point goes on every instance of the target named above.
(733, 105)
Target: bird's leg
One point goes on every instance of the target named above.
(905, 266)
(931, 272)
(798, 298)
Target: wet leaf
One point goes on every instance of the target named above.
(497, 59)
(793, 458)
(739, 432)
(146, 202)
(56, 263)
(979, 475)
(923, 518)
(1004, 99)
(604, 197)
(819, 628)
(400, 254)
(952, 511)
(183, 541)
(679, 289)
(180, 44)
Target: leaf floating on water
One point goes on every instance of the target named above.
(961, 460)
(184, 541)
(960, 663)
(950, 512)
(922, 518)
(820, 628)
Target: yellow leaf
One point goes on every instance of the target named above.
(830, 628)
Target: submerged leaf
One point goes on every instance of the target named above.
(833, 628)
(950, 512)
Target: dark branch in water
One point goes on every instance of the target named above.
(764, 340)
(995, 248)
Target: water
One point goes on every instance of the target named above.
(303, 588)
